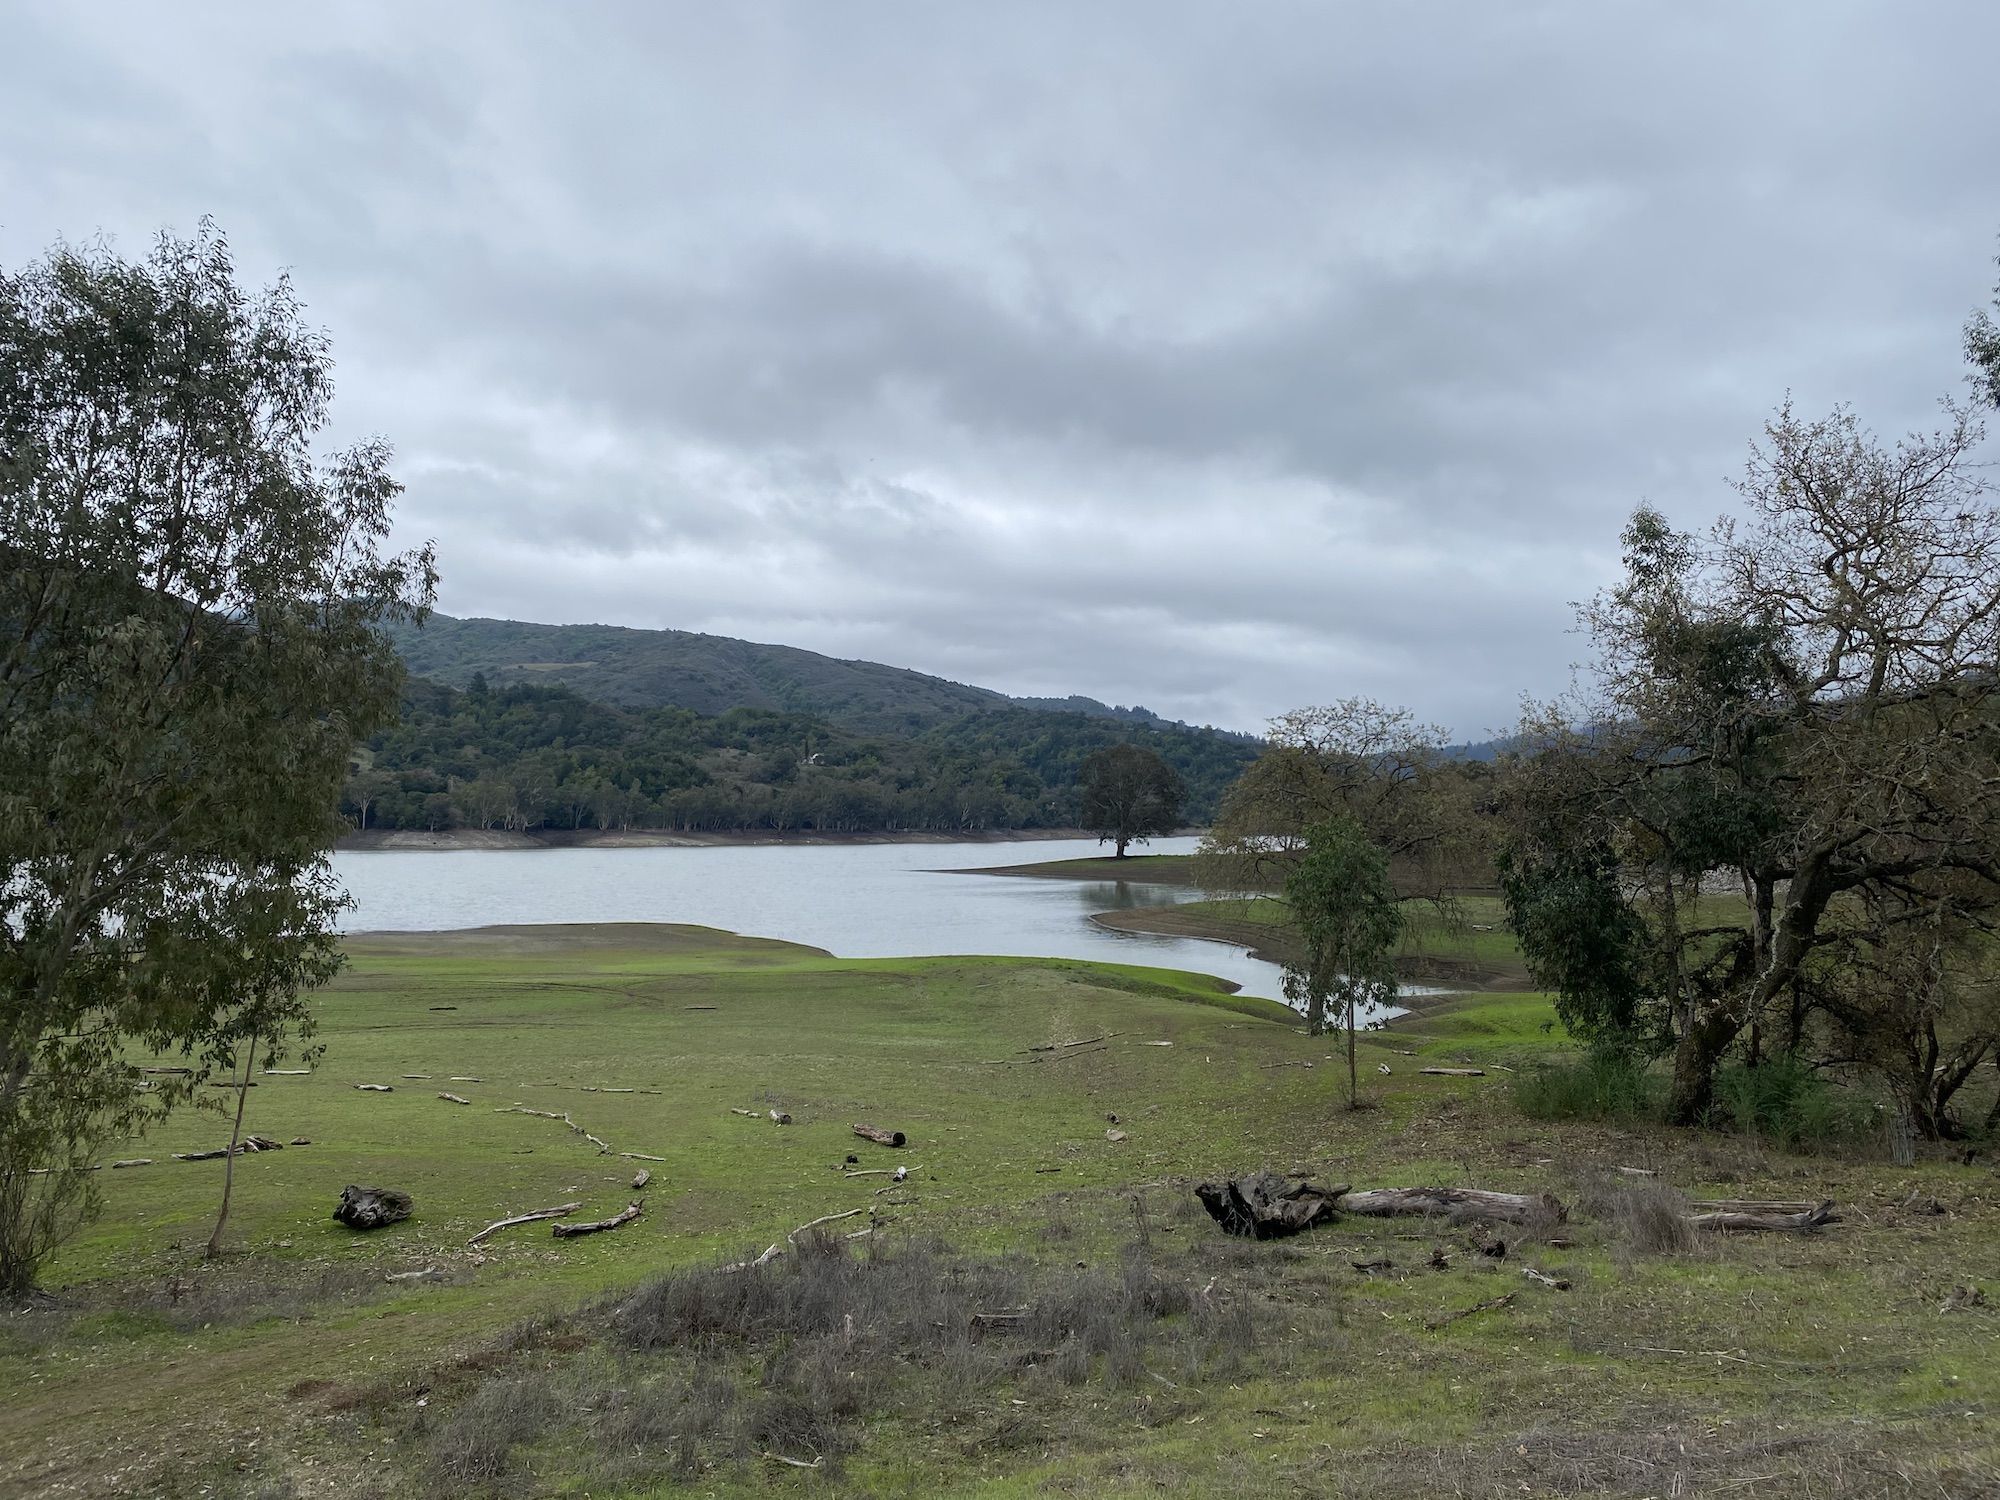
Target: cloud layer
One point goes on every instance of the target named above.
(1221, 359)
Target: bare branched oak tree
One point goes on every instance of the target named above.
(1798, 708)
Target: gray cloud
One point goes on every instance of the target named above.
(1215, 359)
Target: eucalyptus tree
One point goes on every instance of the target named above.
(187, 658)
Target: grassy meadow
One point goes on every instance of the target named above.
(1147, 1353)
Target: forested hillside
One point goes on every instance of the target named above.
(525, 756)
(709, 674)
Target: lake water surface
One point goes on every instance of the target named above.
(854, 900)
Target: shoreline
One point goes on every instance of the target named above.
(460, 839)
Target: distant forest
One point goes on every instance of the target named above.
(524, 756)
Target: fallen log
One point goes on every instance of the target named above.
(372, 1207)
(793, 1237)
(639, 1156)
(428, 1273)
(1454, 1072)
(1491, 1304)
(450, 1098)
(136, 1161)
(287, 1072)
(244, 1147)
(1114, 1134)
(1265, 1207)
(572, 1231)
(779, 1117)
(881, 1137)
(416, 1078)
(1457, 1203)
(1542, 1278)
(640, 1178)
(376, 1088)
(1808, 1220)
(560, 1211)
(769, 1255)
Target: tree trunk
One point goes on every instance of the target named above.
(1696, 1052)
(1353, 1081)
(229, 1162)
(1458, 1203)
(1121, 840)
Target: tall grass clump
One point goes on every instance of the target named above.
(1601, 1084)
(1787, 1101)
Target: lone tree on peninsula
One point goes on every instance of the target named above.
(1130, 794)
(187, 655)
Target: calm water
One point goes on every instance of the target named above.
(854, 900)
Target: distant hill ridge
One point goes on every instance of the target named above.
(711, 674)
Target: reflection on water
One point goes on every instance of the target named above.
(1124, 895)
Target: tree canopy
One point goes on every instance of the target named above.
(1129, 794)
(189, 595)
(1348, 920)
(1798, 708)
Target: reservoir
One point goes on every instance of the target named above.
(854, 900)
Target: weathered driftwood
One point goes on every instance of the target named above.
(416, 1078)
(1454, 1072)
(1265, 1207)
(769, 1255)
(1080, 1042)
(598, 1226)
(1458, 1203)
(244, 1147)
(560, 1211)
(1542, 1278)
(376, 1088)
(793, 1237)
(287, 1072)
(451, 1098)
(603, 1146)
(371, 1207)
(1491, 1304)
(881, 1137)
(1808, 1219)
(639, 1156)
(640, 1178)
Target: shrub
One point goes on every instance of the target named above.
(1601, 1084)
(1789, 1102)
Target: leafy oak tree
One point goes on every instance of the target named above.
(188, 595)
(1798, 708)
(1129, 794)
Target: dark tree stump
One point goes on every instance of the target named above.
(1265, 1207)
(372, 1207)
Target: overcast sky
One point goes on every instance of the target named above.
(1222, 358)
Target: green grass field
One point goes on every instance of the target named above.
(1770, 1365)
